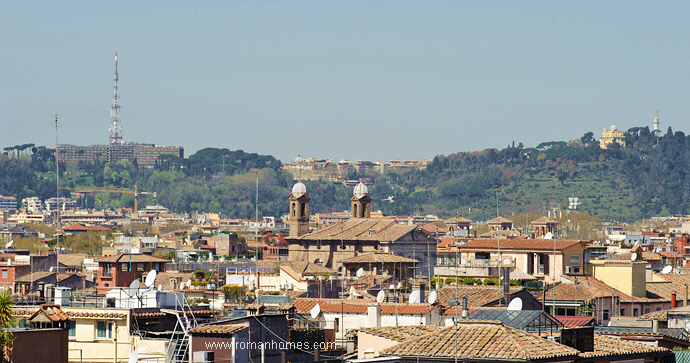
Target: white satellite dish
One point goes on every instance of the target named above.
(432, 297)
(548, 235)
(9, 244)
(181, 285)
(380, 296)
(360, 272)
(413, 298)
(189, 283)
(667, 270)
(134, 357)
(515, 304)
(150, 278)
(160, 287)
(315, 311)
(51, 268)
(633, 256)
(134, 287)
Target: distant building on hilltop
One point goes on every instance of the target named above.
(144, 154)
(608, 137)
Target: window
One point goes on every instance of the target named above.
(107, 269)
(156, 266)
(104, 330)
(72, 328)
(635, 312)
(646, 310)
(337, 324)
(606, 315)
(140, 267)
(124, 267)
(622, 312)
(4, 274)
(658, 309)
(574, 260)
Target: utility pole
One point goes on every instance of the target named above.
(57, 205)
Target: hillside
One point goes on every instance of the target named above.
(647, 177)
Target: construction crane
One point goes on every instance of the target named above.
(136, 193)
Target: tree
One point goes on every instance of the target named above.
(6, 321)
(588, 138)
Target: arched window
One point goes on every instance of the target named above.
(293, 209)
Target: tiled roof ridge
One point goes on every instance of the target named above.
(517, 345)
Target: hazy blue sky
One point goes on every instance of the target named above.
(368, 80)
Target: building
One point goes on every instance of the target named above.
(120, 270)
(608, 137)
(32, 205)
(359, 235)
(142, 154)
(61, 203)
(8, 203)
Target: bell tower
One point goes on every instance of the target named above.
(360, 202)
(299, 210)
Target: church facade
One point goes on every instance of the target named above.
(330, 245)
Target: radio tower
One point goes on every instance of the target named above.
(115, 125)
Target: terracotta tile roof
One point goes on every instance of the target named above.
(367, 281)
(520, 244)
(99, 228)
(379, 258)
(75, 228)
(543, 220)
(605, 346)
(227, 329)
(25, 312)
(656, 315)
(359, 230)
(476, 295)
(432, 228)
(588, 288)
(135, 257)
(52, 312)
(34, 276)
(482, 340)
(292, 273)
(499, 220)
(304, 305)
(574, 321)
(169, 280)
(456, 220)
(401, 333)
(670, 254)
(72, 260)
(305, 268)
(157, 313)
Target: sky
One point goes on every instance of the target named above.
(333, 79)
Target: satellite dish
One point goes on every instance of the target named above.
(111, 244)
(134, 357)
(160, 287)
(432, 297)
(134, 287)
(380, 296)
(633, 256)
(150, 278)
(413, 298)
(548, 235)
(181, 285)
(189, 283)
(315, 311)
(666, 270)
(51, 268)
(360, 272)
(9, 244)
(515, 304)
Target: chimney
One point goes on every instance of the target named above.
(673, 299)
(655, 326)
(374, 316)
(465, 312)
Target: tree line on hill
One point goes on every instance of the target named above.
(649, 176)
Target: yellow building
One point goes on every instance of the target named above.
(608, 137)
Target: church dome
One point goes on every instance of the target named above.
(298, 159)
(299, 188)
(361, 190)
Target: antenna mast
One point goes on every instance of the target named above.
(115, 125)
